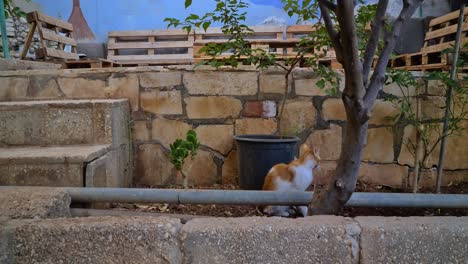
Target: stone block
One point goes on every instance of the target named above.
(406, 157)
(328, 141)
(221, 83)
(217, 137)
(262, 126)
(13, 88)
(43, 87)
(309, 87)
(333, 109)
(162, 102)
(99, 240)
(391, 175)
(34, 203)
(297, 116)
(140, 131)
(319, 239)
(83, 87)
(167, 131)
(202, 170)
(124, 87)
(381, 111)
(379, 147)
(160, 79)
(154, 167)
(273, 83)
(264, 109)
(413, 239)
(396, 90)
(230, 173)
(54, 175)
(213, 107)
(432, 107)
(436, 87)
(62, 126)
(456, 156)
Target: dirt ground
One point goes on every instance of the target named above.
(248, 210)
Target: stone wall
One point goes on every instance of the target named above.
(17, 31)
(168, 101)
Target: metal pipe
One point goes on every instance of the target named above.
(6, 51)
(131, 195)
(448, 100)
(236, 197)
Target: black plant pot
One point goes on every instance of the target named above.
(256, 154)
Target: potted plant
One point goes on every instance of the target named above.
(258, 153)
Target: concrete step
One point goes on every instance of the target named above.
(63, 122)
(72, 166)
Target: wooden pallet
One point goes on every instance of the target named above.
(440, 36)
(150, 47)
(51, 30)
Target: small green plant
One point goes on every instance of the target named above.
(428, 131)
(181, 149)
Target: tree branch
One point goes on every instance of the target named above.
(378, 77)
(352, 65)
(329, 5)
(334, 36)
(374, 39)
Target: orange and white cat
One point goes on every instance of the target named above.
(295, 176)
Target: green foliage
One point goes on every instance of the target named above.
(408, 106)
(13, 11)
(181, 149)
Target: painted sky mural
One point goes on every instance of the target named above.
(107, 15)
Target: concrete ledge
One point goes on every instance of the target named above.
(18, 65)
(99, 240)
(414, 239)
(321, 239)
(25, 203)
(318, 239)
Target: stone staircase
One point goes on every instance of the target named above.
(78, 143)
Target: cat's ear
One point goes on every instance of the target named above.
(316, 151)
(304, 148)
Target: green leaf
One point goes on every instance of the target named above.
(321, 84)
(188, 3)
(206, 25)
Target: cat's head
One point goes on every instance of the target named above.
(309, 154)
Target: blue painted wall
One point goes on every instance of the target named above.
(107, 15)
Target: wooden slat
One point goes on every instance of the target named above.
(147, 33)
(300, 29)
(33, 16)
(55, 53)
(121, 58)
(148, 45)
(48, 35)
(442, 46)
(447, 17)
(32, 28)
(444, 31)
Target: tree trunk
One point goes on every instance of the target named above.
(343, 181)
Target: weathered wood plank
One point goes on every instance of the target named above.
(447, 17)
(48, 35)
(55, 53)
(149, 45)
(444, 31)
(38, 16)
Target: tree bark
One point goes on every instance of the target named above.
(358, 96)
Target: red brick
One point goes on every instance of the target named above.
(265, 109)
